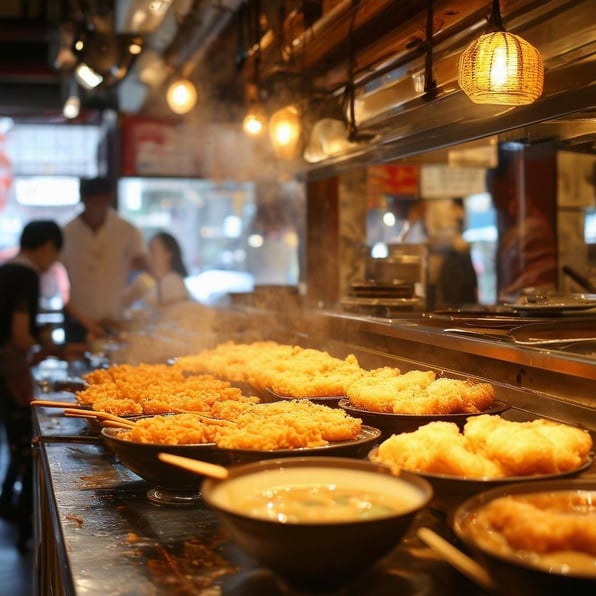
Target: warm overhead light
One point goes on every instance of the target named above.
(159, 6)
(255, 121)
(79, 45)
(72, 107)
(87, 77)
(501, 68)
(284, 131)
(135, 48)
(181, 96)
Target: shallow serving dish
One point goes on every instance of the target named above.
(316, 554)
(390, 424)
(450, 491)
(176, 486)
(515, 573)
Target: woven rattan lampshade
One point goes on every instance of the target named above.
(501, 68)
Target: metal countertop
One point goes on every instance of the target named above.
(113, 540)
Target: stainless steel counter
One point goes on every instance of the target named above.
(96, 533)
(542, 380)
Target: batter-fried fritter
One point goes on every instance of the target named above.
(280, 425)
(525, 448)
(291, 371)
(436, 448)
(127, 390)
(489, 447)
(552, 529)
(417, 392)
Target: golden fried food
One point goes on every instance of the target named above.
(436, 448)
(312, 373)
(280, 425)
(291, 371)
(418, 393)
(489, 447)
(525, 448)
(155, 389)
(547, 529)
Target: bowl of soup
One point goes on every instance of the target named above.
(317, 522)
(534, 538)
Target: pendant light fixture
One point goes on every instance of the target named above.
(181, 96)
(285, 129)
(500, 67)
(255, 121)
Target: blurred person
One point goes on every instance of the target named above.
(452, 279)
(22, 346)
(166, 284)
(101, 249)
(527, 257)
(414, 230)
(457, 284)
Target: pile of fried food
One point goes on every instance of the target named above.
(279, 425)
(193, 381)
(127, 390)
(288, 370)
(488, 447)
(293, 371)
(555, 529)
(417, 393)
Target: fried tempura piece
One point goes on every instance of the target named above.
(436, 448)
(418, 393)
(539, 528)
(313, 373)
(379, 389)
(489, 447)
(280, 425)
(525, 448)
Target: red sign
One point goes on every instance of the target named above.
(393, 179)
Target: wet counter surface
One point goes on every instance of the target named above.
(112, 540)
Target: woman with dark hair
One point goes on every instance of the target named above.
(168, 270)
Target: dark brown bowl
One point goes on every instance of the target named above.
(450, 491)
(514, 575)
(173, 485)
(391, 424)
(308, 555)
(177, 485)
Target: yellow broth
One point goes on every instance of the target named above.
(318, 504)
(308, 496)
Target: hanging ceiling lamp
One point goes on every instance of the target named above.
(255, 121)
(181, 96)
(501, 68)
(285, 130)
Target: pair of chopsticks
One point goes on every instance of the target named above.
(105, 418)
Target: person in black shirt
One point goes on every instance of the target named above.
(40, 246)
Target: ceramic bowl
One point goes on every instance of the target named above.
(516, 572)
(316, 554)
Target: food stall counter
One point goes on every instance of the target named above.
(97, 533)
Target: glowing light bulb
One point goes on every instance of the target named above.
(181, 96)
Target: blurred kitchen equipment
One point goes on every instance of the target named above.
(584, 282)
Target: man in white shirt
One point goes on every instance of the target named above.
(100, 251)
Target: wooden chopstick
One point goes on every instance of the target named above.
(56, 404)
(457, 559)
(100, 415)
(196, 466)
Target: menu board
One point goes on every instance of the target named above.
(439, 181)
(158, 147)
